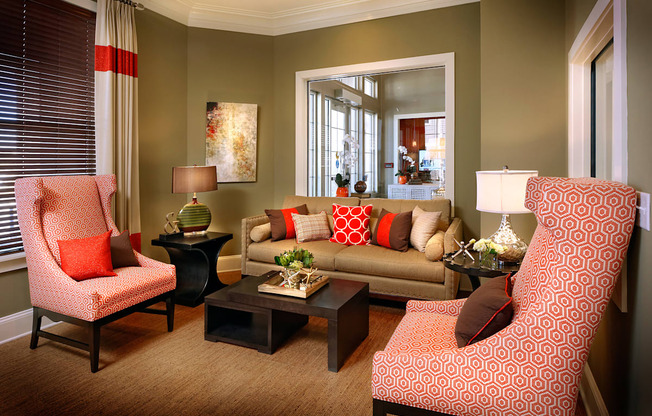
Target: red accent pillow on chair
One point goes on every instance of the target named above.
(84, 258)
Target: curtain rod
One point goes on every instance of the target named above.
(138, 6)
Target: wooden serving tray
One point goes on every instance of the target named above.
(273, 286)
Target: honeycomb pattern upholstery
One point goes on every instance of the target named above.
(534, 365)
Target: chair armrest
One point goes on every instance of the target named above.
(445, 307)
(145, 261)
(247, 224)
(454, 231)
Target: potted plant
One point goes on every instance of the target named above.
(342, 186)
(408, 166)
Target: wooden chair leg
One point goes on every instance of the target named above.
(169, 306)
(36, 326)
(94, 346)
(379, 408)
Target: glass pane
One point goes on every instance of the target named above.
(602, 101)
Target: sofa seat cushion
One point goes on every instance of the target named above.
(323, 251)
(422, 333)
(381, 261)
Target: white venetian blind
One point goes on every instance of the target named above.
(47, 124)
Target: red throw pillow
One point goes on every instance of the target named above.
(393, 230)
(281, 221)
(487, 310)
(351, 225)
(84, 258)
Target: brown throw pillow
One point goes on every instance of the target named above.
(485, 312)
(393, 230)
(122, 253)
(281, 221)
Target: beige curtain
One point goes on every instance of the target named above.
(116, 107)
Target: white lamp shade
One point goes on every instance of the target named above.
(502, 192)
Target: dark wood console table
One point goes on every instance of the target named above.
(196, 261)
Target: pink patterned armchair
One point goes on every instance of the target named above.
(534, 365)
(74, 207)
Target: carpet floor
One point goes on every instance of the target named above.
(144, 370)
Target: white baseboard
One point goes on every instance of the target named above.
(591, 396)
(228, 263)
(19, 324)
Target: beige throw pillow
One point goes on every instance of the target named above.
(424, 226)
(261, 232)
(311, 227)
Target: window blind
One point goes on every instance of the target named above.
(47, 124)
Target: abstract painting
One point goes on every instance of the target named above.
(231, 136)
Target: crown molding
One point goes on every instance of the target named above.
(338, 12)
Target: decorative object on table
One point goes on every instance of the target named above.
(360, 187)
(194, 217)
(503, 192)
(408, 168)
(463, 248)
(231, 136)
(342, 186)
(487, 252)
(171, 227)
(292, 262)
(277, 285)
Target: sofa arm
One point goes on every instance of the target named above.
(454, 231)
(247, 224)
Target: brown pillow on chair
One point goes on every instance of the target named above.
(122, 253)
(281, 221)
(485, 312)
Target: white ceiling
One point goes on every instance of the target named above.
(277, 17)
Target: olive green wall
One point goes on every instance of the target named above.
(523, 94)
(232, 67)
(14, 292)
(451, 29)
(162, 91)
(620, 360)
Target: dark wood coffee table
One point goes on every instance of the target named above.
(239, 314)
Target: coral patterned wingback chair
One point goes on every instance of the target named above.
(534, 365)
(75, 207)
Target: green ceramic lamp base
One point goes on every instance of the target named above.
(194, 217)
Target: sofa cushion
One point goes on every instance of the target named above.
(85, 258)
(424, 226)
(318, 204)
(403, 205)
(261, 232)
(393, 230)
(281, 221)
(311, 227)
(487, 310)
(122, 252)
(351, 225)
(381, 261)
(435, 247)
(323, 250)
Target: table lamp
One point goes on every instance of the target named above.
(194, 217)
(503, 192)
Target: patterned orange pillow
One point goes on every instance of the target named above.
(84, 258)
(351, 225)
(393, 230)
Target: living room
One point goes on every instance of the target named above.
(511, 108)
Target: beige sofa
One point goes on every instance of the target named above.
(407, 274)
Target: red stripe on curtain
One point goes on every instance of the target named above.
(108, 58)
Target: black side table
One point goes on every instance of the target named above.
(196, 261)
(472, 268)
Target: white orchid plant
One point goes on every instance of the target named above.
(408, 164)
(348, 157)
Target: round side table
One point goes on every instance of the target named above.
(472, 268)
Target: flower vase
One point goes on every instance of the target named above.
(402, 179)
(342, 192)
(487, 259)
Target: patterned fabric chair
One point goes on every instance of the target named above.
(72, 207)
(534, 365)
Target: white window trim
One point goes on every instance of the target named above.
(447, 60)
(607, 20)
(398, 118)
(13, 261)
